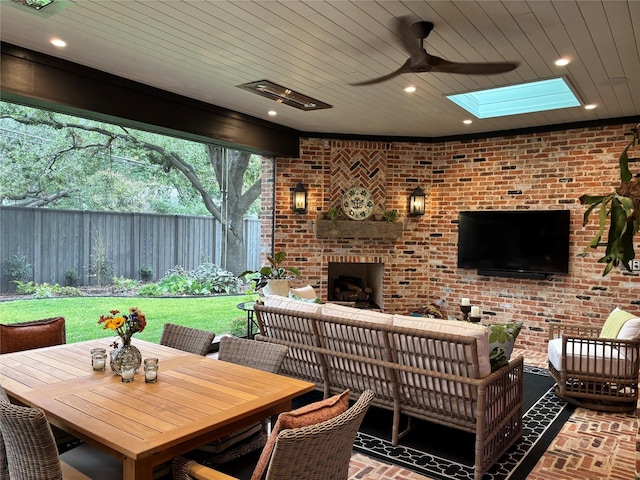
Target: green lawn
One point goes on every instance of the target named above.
(81, 314)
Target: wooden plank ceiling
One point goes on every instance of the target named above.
(204, 49)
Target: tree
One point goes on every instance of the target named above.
(51, 158)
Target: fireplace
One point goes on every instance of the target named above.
(357, 283)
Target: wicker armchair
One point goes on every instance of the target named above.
(316, 452)
(249, 353)
(31, 452)
(593, 372)
(188, 339)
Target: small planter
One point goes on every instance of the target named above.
(277, 287)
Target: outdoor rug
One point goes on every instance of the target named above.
(441, 452)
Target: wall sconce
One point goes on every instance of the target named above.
(417, 202)
(299, 198)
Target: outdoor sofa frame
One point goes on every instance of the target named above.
(421, 374)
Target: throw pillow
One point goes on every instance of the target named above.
(614, 323)
(630, 330)
(311, 414)
(15, 337)
(502, 337)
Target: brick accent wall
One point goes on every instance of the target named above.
(533, 171)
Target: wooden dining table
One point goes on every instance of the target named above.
(195, 400)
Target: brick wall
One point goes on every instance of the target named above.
(534, 171)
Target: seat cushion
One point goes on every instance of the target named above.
(311, 414)
(502, 337)
(285, 303)
(592, 358)
(15, 337)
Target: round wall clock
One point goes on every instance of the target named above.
(357, 203)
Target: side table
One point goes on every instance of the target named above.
(248, 307)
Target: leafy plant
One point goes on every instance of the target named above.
(71, 277)
(125, 284)
(622, 209)
(146, 273)
(17, 268)
(273, 271)
(216, 278)
(391, 216)
(44, 290)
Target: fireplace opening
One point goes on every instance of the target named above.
(357, 284)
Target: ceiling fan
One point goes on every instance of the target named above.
(420, 61)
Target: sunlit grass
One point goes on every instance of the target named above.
(82, 313)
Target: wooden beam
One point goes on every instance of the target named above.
(39, 80)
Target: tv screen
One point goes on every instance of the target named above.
(522, 243)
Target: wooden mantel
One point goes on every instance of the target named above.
(358, 229)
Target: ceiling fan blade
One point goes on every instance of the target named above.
(444, 66)
(406, 68)
(402, 26)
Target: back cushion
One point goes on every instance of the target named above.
(285, 303)
(350, 313)
(452, 327)
(630, 330)
(16, 337)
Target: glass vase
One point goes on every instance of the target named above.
(126, 350)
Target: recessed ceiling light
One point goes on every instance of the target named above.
(58, 42)
(467, 122)
(591, 106)
(410, 89)
(272, 113)
(520, 98)
(561, 62)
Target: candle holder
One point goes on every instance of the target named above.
(465, 309)
(98, 359)
(150, 370)
(475, 319)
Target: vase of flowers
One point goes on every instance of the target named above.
(125, 326)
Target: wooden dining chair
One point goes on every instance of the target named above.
(320, 451)
(31, 453)
(249, 353)
(188, 339)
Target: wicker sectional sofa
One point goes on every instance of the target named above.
(435, 370)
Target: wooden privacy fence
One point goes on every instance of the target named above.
(54, 241)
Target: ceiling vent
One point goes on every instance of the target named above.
(284, 95)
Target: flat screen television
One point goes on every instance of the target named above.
(519, 243)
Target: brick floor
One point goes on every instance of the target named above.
(591, 446)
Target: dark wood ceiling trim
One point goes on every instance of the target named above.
(39, 80)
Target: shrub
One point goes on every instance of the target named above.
(125, 284)
(16, 268)
(71, 277)
(44, 290)
(146, 273)
(217, 279)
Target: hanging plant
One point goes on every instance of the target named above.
(621, 209)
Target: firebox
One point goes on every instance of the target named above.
(360, 284)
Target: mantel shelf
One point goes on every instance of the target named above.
(358, 229)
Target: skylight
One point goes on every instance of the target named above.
(515, 99)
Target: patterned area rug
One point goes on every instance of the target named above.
(444, 453)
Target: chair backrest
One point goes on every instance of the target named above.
(31, 450)
(321, 451)
(188, 339)
(250, 353)
(15, 337)
(4, 469)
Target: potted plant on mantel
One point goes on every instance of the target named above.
(273, 279)
(622, 208)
